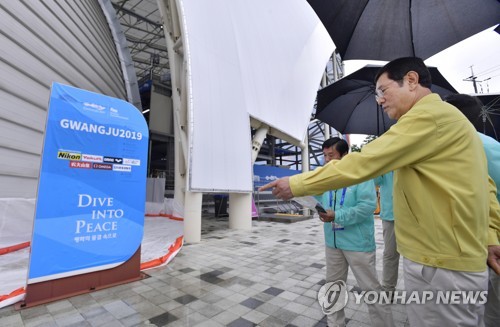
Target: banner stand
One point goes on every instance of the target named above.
(89, 213)
(54, 290)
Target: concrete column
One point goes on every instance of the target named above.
(335, 68)
(305, 164)
(305, 154)
(240, 211)
(325, 125)
(258, 138)
(192, 217)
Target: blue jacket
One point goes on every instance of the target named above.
(492, 150)
(385, 183)
(355, 214)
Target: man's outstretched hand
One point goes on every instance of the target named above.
(494, 258)
(281, 188)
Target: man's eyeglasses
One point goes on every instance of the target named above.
(380, 92)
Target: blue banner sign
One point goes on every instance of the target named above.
(91, 194)
(266, 174)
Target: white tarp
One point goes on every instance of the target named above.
(16, 221)
(263, 58)
(163, 238)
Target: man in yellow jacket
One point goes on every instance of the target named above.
(448, 215)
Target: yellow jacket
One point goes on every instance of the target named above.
(445, 206)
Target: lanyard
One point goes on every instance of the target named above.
(334, 200)
(336, 226)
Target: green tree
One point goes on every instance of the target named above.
(368, 139)
(355, 148)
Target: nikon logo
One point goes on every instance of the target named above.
(75, 156)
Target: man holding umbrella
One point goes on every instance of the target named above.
(446, 217)
(471, 107)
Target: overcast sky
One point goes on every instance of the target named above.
(481, 51)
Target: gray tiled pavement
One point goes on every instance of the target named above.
(268, 276)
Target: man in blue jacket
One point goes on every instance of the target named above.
(349, 237)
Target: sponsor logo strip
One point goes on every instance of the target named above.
(66, 155)
(113, 160)
(80, 164)
(132, 162)
(102, 166)
(122, 168)
(91, 158)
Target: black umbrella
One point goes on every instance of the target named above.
(349, 105)
(389, 29)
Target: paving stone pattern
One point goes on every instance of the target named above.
(268, 276)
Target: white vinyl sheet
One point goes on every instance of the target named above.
(260, 58)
